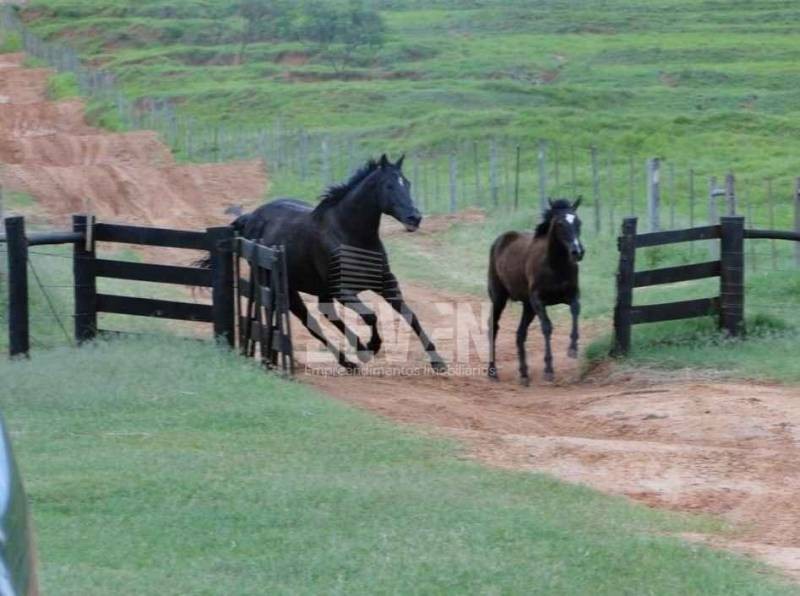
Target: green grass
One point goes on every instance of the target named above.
(62, 86)
(206, 475)
(712, 86)
(10, 42)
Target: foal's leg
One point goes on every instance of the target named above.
(547, 331)
(299, 309)
(522, 335)
(392, 294)
(499, 301)
(329, 312)
(575, 309)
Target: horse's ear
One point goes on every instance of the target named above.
(399, 164)
(384, 162)
(577, 202)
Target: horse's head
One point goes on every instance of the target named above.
(566, 225)
(394, 194)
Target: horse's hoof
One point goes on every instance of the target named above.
(549, 377)
(572, 353)
(365, 355)
(374, 346)
(525, 381)
(351, 368)
(439, 366)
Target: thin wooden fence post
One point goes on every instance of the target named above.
(692, 197)
(654, 193)
(631, 186)
(771, 215)
(493, 188)
(542, 175)
(611, 194)
(672, 196)
(596, 191)
(731, 308)
(477, 166)
(19, 343)
(797, 221)
(750, 222)
(627, 266)
(557, 168)
(730, 193)
(220, 244)
(516, 180)
(713, 212)
(573, 171)
(85, 277)
(453, 183)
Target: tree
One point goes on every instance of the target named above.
(340, 31)
(263, 19)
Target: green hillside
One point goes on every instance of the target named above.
(709, 85)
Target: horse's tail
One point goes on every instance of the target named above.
(238, 226)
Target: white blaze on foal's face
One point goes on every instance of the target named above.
(401, 181)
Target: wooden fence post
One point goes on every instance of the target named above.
(731, 310)
(493, 185)
(453, 183)
(627, 266)
(730, 193)
(596, 191)
(542, 176)
(797, 221)
(84, 273)
(516, 180)
(220, 244)
(17, 247)
(713, 212)
(654, 193)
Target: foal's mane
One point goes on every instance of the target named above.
(544, 228)
(334, 194)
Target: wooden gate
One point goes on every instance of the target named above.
(263, 305)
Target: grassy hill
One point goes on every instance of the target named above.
(709, 85)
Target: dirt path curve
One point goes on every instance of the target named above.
(674, 441)
(47, 150)
(669, 441)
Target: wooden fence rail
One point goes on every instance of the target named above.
(265, 294)
(728, 305)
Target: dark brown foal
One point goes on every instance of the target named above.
(538, 269)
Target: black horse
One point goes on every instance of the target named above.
(538, 269)
(334, 251)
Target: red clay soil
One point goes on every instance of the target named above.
(52, 154)
(676, 441)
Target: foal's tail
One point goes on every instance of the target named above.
(238, 226)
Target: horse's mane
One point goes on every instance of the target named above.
(336, 192)
(544, 228)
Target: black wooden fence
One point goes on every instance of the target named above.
(728, 305)
(263, 305)
(221, 244)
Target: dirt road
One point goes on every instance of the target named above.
(47, 150)
(676, 440)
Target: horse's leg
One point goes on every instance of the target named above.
(299, 309)
(499, 300)
(392, 294)
(354, 303)
(329, 312)
(522, 335)
(575, 309)
(547, 330)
